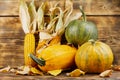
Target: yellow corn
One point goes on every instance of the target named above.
(29, 47)
(41, 45)
(44, 43)
(55, 40)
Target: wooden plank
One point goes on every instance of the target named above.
(11, 7)
(11, 57)
(10, 27)
(98, 7)
(108, 28)
(12, 36)
(12, 76)
(11, 52)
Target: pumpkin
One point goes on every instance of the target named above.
(94, 57)
(55, 57)
(80, 31)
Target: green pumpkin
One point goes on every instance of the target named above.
(94, 57)
(80, 31)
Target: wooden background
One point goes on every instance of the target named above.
(105, 13)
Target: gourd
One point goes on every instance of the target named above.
(55, 57)
(94, 57)
(80, 31)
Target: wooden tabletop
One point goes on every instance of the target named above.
(11, 76)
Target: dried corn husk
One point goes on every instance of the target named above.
(28, 16)
(24, 16)
(25, 71)
(76, 73)
(106, 73)
(55, 72)
(116, 67)
(40, 16)
(5, 69)
(33, 15)
(36, 71)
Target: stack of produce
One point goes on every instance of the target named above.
(49, 50)
(51, 56)
(92, 56)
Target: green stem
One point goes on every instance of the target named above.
(92, 41)
(83, 14)
(40, 61)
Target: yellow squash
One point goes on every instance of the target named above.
(55, 57)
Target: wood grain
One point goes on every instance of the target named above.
(12, 37)
(98, 7)
(105, 13)
(12, 76)
(10, 27)
(11, 7)
(91, 7)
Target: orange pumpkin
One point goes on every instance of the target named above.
(94, 57)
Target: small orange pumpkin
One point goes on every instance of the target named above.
(94, 57)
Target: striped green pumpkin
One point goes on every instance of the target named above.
(94, 57)
(80, 31)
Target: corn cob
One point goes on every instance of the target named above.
(55, 27)
(27, 15)
(44, 43)
(41, 46)
(55, 40)
(29, 47)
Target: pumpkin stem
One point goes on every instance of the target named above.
(83, 14)
(92, 41)
(40, 61)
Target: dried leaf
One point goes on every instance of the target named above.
(32, 12)
(36, 71)
(26, 70)
(76, 73)
(24, 16)
(13, 70)
(44, 35)
(116, 68)
(1, 67)
(67, 13)
(20, 67)
(106, 73)
(51, 25)
(55, 72)
(40, 16)
(59, 23)
(5, 69)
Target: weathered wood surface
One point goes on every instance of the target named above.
(91, 7)
(99, 7)
(12, 37)
(10, 76)
(105, 13)
(11, 7)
